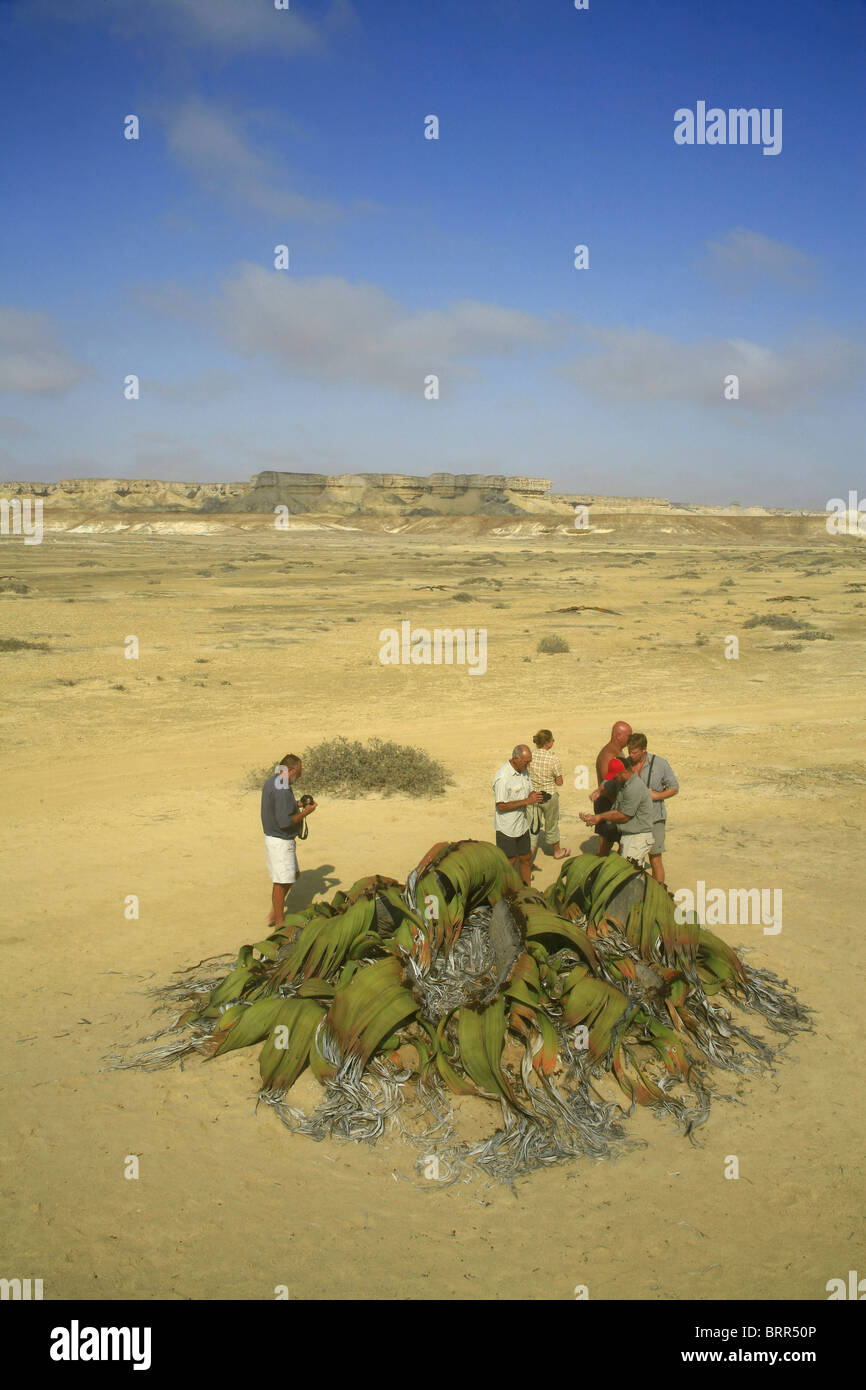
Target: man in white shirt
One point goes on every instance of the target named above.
(512, 794)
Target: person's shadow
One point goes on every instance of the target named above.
(311, 883)
(589, 845)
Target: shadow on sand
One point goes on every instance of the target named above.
(312, 883)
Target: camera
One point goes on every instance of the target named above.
(305, 801)
(545, 796)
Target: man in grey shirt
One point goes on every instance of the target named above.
(282, 818)
(659, 776)
(632, 810)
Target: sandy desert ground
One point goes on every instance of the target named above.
(130, 777)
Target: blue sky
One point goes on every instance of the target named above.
(453, 257)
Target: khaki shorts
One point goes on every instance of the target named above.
(637, 847)
(549, 831)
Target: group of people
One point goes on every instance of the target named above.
(628, 807)
(628, 801)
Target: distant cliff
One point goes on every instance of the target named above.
(370, 494)
(372, 500)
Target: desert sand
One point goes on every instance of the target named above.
(132, 777)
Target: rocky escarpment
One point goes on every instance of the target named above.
(350, 495)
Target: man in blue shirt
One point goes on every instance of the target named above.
(659, 776)
(281, 820)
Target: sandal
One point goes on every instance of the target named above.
(563, 854)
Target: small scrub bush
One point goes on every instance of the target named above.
(777, 620)
(344, 768)
(348, 768)
(553, 643)
(17, 644)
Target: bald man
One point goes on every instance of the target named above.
(512, 793)
(608, 831)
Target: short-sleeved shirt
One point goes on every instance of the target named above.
(511, 785)
(544, 770)
(634, 800)
(278, 808)
(658, 775)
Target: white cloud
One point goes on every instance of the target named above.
(637, 365)
(213, 146)
(330, 330)
(744, 258)
(32, 361)
(233, 26)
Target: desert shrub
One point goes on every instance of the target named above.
(778, 620)
(727, 584)
(344, 768)
(462, 597)
(813, 636)
(551, 644)
(13, 586)
(17, 644)
(787, 647)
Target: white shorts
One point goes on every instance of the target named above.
(282, 859)
(637, 847)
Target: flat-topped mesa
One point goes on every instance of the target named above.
(440, 493)
(341, 494)
(384, 495)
